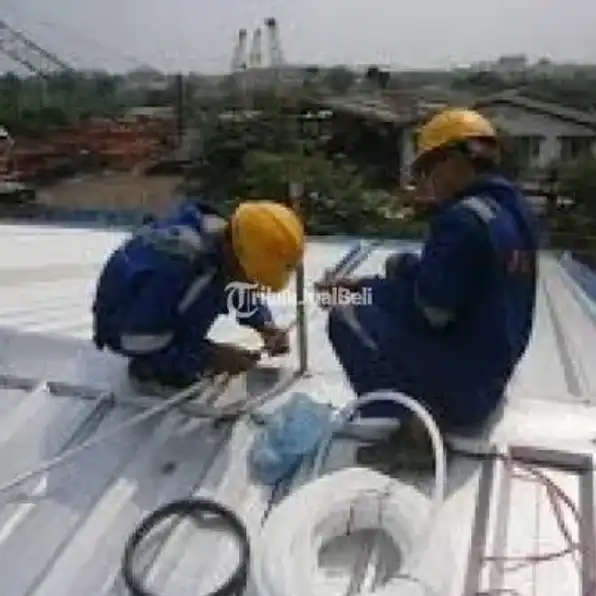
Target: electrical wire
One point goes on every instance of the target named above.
(286, 554)
(62, 29)
(556, 497)
(194, 508)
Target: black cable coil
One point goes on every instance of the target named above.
(197, 508)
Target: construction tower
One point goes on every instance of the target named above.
(249, 67)
(239, 55)
(255, 59)
(275, 53)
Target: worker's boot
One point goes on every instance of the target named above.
(147, 381)
(408, 448)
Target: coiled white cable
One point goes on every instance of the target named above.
(286, 554)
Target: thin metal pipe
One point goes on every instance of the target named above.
(301, 320)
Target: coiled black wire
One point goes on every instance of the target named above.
(197, 508)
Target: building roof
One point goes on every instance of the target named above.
(68, 538)
(541, 107)
(409, 114)
(367, 106)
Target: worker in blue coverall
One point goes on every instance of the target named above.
(161, 291)
(447, 327)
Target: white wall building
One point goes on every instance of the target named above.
(542, 133)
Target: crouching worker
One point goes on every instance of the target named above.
(160, 292)
(447, 327)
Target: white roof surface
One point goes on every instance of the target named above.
(67, 540)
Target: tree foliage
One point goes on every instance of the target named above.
(578, 181)
(339, 79)
(258, 158)
(377, 78)
(30, 105)
(573, 226)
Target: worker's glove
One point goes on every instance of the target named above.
(276, 340)
(231, 359)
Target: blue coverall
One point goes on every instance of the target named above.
(160, 292)
(448, 327)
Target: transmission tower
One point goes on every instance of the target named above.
(22, 50)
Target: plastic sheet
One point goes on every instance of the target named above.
(291, 433)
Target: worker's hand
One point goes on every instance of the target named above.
(276, 340)
(328, 285)
(231, 359)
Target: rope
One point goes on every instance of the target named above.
(195, 508)
(287, 551)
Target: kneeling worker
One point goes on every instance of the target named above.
(160, 292)
(448, 327)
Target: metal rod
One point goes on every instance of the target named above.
(301, 319)
(296, 191)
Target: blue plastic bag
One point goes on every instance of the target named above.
(292, 432)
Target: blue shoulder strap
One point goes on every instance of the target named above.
(183, 240)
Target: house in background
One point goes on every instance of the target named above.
(378, 133)
(540, 133)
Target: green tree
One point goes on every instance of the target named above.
(575, 228)
(258, 157)
(11, 94)
(578, 180)
(339, 79)
(311, 79)
(377, 78)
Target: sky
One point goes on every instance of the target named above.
(199, 35)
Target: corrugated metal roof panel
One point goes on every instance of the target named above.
(65, 534)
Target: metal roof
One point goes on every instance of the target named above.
(410, 114)
(67, 539)
(555, 110)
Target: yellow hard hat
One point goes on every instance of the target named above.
(268, 241)
(451, 126)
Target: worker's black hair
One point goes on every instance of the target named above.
(483, 153)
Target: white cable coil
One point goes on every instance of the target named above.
(286, 554)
